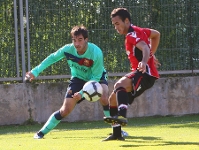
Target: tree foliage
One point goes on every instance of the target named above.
(50, 23)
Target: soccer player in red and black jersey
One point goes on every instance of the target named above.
(141, 45)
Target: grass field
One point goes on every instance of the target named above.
(150, 133)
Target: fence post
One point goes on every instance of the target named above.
(27, 34)
(22, 39)
(190, 33)
(16, 37)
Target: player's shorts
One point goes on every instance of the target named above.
(76, 84)
(140, 83)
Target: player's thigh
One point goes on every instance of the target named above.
(124, 82)
(140, 86)
(75, 85)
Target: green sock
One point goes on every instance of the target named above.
(106, 113)
(106, 110)
(50, 124)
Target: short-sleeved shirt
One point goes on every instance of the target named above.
(136, 34)
(89, 66)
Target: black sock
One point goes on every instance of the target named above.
(113, 110)
(122, 98)
(117, 131)
(57, 115)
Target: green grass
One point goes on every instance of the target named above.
(149, 133)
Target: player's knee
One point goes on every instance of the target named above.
(104, 100)
(118, 85)
(65, 111)
(119, 89)
(112, 99)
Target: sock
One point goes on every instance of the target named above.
(122, 98)
(116, 127)
(113, 110)
(117, 130)
(52, 122)
(106, 110)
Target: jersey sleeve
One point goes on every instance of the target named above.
(147, 31)
(98, 67)
(134, 37)
(51, 59)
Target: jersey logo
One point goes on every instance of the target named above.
(81, 61)
(86, 62)
(139, 88)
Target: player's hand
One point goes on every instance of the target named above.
(29, 76)
(142, 67)
(156, 62)
(77, 96)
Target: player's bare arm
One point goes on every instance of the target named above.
(146, 54)
(155, 40)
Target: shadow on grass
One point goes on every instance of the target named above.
(163, 143)
(152, 141)
(188, 125)
(187, 121)
(14, 129)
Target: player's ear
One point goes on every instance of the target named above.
(126, 21)
(86, 39)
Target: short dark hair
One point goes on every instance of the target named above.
(79, 30)
(122, 13)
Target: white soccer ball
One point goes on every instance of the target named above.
(92, 91)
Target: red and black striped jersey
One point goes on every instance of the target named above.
(136, 34)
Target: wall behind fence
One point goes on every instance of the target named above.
(36, 102)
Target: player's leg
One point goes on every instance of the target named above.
(146, 83)
(68, 105)
(142, 82)
(121, 89)
(139, 83)
(55, 118)
(117, 132)
(105, 103)
(104, 100)
(130, 82)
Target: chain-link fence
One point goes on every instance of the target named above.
(30, 30)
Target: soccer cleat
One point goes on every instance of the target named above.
(116, 120)
(124, 133)
(112, 137)
(38, 135)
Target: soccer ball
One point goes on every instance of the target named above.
(92, 91)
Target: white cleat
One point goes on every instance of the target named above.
(124, 133)
(38, 135)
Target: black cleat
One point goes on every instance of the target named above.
(123, 133)
(116, 120)
(112, 137)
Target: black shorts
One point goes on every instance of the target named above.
(76, 84)
(140, 83)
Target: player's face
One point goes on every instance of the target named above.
(120, 26)
(80, 43)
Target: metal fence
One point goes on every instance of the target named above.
(30, 30)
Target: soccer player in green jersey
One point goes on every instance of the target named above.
(85, 60)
